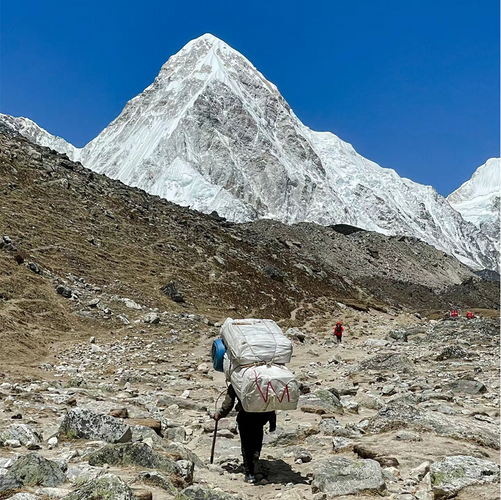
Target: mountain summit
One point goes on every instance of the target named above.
(212, 133)
(477, 200)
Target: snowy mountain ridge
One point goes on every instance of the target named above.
(212, 133)
(478, 199)
(38, 135)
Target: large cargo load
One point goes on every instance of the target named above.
(254, 363)
(255, 340)
(263, 387)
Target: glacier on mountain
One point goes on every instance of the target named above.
(478, 199)
(212, 133)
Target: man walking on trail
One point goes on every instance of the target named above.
(338, 332)
(250, 427)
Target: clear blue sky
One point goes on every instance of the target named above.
(412, 84)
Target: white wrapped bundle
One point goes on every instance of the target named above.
(263, 387)
(255, 340)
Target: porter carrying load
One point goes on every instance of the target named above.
(254, 353)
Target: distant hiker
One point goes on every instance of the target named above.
(250, 428)
(454, 313)
(469, 315)
(338, 332)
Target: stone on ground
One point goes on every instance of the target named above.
(87, 424)
(107, 486)
(133, 454)
(452, 474)
(35, 470)
(199, 493)
(340, 476)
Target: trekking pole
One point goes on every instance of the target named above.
(213, 443)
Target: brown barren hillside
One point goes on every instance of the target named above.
(67, 226)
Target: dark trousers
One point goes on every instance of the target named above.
(338, 338)
(250, 428)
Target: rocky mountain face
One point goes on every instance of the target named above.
(110, 299)
(478, 199)
(213, 134)
(38, 135)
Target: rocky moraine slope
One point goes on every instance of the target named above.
(110, 299)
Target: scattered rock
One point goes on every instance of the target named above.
(452, 474)
(87, 424)
(65, 291)
(133, 454)
(22, 433)
(468, 386)
(340, 476)
(452, 352)
(199, 493)
(396, 363)
(35, 470)
(157, 480)
(170, 289)
(107, 486)
(152, 318)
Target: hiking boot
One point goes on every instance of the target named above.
(249, 478)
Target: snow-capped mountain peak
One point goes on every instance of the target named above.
(478, 199)
(212, 133)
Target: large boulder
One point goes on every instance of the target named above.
(340, 476)
(177, 451)
(185, 404)
(393, 362)
(157, 480)
(199, 493)
(320, 402)
(22, 433)
(452, 352)
(107, 486)
(35, 470)
(87, 424)
(455, 473)
(399, 414)
(133, 454)
(8, 483)
(467, 386)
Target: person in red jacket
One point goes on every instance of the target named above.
(470, 315)
(338, 332)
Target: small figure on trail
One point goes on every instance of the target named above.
(338, 332)
(454, 313)
(469, 315)
(250, 428)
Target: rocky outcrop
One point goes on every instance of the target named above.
(133, 454)
(200, 493)
(340, 476)
(452, 474)
(87, 424)
(399, 414)
(35, 470)
(107, 486)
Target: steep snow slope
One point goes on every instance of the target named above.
(478, 199)
(38, 135)
(213, 134)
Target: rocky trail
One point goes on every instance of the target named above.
(406, 407)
